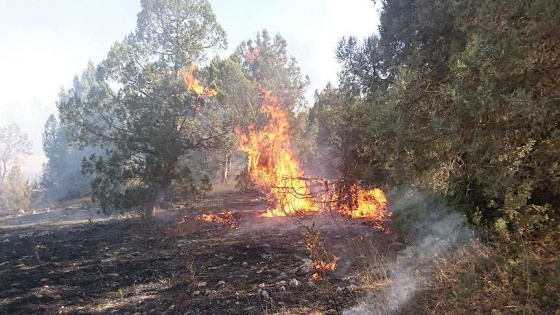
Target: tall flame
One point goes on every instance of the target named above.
(271, 163)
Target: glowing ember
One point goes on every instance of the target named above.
(271, 164)
(225, 218)
(330, 266)
(321, 267)
(193, 84)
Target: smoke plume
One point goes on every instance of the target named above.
(435, 231)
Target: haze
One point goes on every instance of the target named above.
(46, 43)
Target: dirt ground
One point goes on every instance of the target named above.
(71, 260)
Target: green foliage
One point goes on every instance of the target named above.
(265, 61)
(15, 193)
(136, 106)
(62, 174)
(268, 66)
(462, 101)
(243, 182)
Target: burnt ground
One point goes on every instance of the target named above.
(70, 260)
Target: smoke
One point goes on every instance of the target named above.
(435, 230)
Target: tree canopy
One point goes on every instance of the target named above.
(136, 106)
(462, 100)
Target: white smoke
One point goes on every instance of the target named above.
(436, 231)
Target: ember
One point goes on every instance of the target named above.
(225, 218)
(322, 267)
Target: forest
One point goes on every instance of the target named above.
(425, 181)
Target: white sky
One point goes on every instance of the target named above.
(45, 43)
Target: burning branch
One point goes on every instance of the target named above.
(274, 170)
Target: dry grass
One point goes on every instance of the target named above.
(472, 278)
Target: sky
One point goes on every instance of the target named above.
(44, 44)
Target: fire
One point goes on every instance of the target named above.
(225, 218)
(271, 163)
(193, 84)
(251, 53)
(321, 267)
(365, 204)
(330, 266)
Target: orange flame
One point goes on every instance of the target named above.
(271, 163)
(251, 53)
(225, 218)
(330, 266)
(193, 84)
(321, 267)
(366, 204)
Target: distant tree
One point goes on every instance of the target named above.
(62, 174)
(13, 142)
(139, 109)
(238, 96)
(267, 65)
(15, 193)
(265, 60)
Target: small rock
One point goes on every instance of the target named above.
(282, 282)
(294, 283)
(201, 284)
(115, 311)
(196, 293)
(352, 287)
(230, 258)
(221, 283)
(282, 288)
(6, 240)
(311, 284)
(207, 292)
(307, 264)
(283, 275)
(43, 280)
(244, 264)
(265, 295)
(338, 290)
(261, 285)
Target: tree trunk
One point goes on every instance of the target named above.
(227, 168)
(157, 198)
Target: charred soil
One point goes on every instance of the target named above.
(70, 260)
